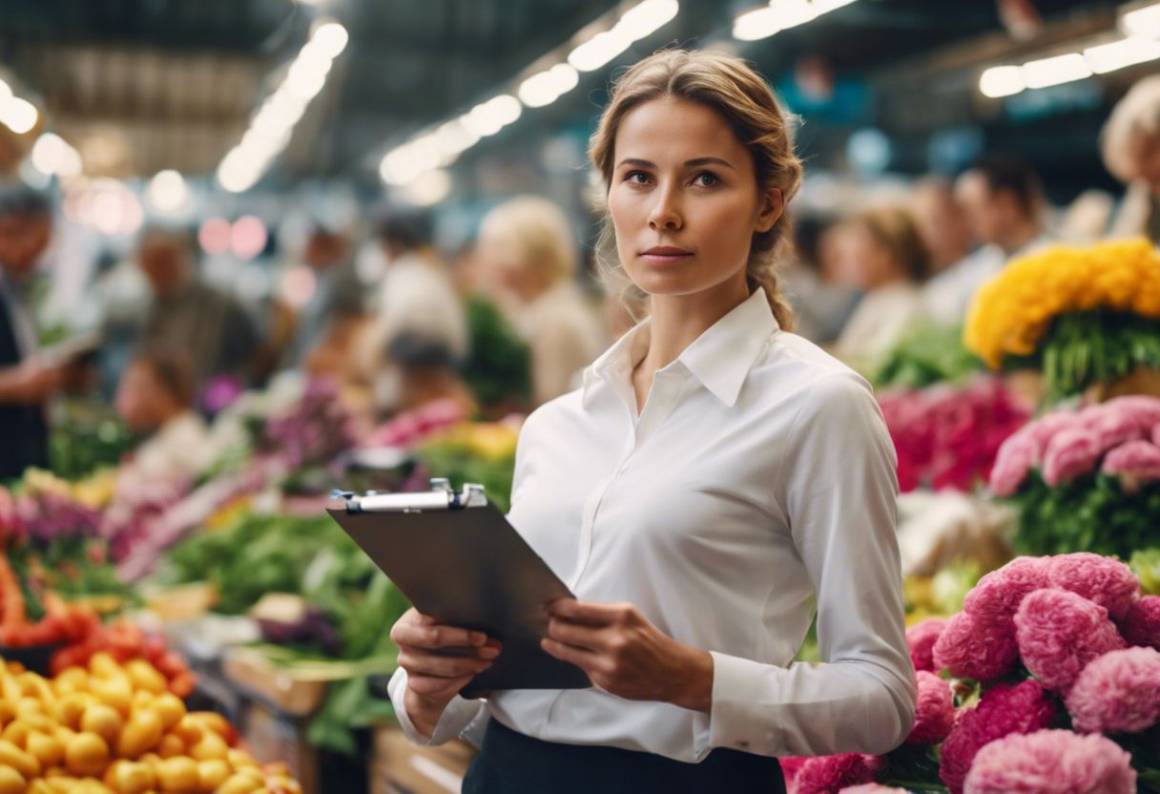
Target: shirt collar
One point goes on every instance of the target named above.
(720, 358)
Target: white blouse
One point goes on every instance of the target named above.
(757, 484)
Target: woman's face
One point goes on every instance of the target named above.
(861, 261)
(683, 198)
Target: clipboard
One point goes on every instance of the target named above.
(457, 559)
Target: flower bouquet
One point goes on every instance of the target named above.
(947, 437)
(1048, 681)
(1085, 480)
(1081, 315)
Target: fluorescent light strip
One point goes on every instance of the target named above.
(1142, 21)
(779, 15)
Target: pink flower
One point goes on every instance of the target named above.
(1016, 458)
(1143, 410)
(1117, 693)
(1070, 453)
(1004, 709)
(829, 774)
(1052, 762)
(1059, 632)
(1106, 581)
(1156, 434)
(920, 638)
(1141, 625)
(1110, 425)
(1138, 459)
(934, 711)
(1043, 430)
(981, 650)
(997, 595)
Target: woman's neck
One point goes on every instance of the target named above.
(676, 322)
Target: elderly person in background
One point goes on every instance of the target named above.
(189, 314)
(527, 256)
(1131, 148)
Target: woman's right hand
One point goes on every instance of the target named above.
(433, 677)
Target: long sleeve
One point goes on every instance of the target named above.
(839, 489)
(455, 718)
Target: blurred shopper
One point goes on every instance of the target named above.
(527, 257)
(820, 306)
(428, 373)
(1131, 148)
(417, 297)
(1005, 206)
(881, 253)
(337, 289)
(957, 270)
(26, 382)
(188, 314)
(155, 399)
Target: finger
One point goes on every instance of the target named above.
(442, 666)
(438, 636)
(431, 686)
(579, 635)
(584, 612)
(584, 659)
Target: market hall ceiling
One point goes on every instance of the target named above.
(142, 85)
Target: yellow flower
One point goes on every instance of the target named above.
(1011, 312)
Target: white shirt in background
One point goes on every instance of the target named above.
(947, 296)
(563, 335)
(757, 482)
(880, 321)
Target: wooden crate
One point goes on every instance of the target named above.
(400, 767)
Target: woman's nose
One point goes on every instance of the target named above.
(666, 212)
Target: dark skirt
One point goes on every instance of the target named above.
(512, 763)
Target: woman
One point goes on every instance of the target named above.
(526, 252)
(713, 479)
(881, 253)
(1131, 149)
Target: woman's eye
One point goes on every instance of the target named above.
(706, 179)
(636, 177)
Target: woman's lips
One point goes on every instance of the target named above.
(665, 255)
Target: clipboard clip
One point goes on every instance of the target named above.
(441, 497)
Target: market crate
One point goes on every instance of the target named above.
(399, 767)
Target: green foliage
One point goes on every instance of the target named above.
(499, 368)
(1084, 348)
(1091, 513)
(929, 354)
(1146, 565)
(83, 439)
(460, 464)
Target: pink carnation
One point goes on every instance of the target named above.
(1070, 453)
(1004, 709)
(920, 639)
(1015, 459)
(1043, 430)
(873, 788)
(1117, 693)
(969, 648)
(1108, 582)
(1143, 410)
(1052, 762)
(1059, 632)
(829, 774)
(997, 595)
(1137, 459)
(934, 712)
(1141, 624)
(1156, 435)
(1110, 425)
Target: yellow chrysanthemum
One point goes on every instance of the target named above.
(1011, 312)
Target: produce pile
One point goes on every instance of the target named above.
(1086, 479)
(113, 729)
(928, 355)
(1048, 680)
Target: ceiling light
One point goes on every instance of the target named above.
(1142, 21)
(757, 24)
(19, 115)
(1059, 69)
(51, 154)
(331, 38)
(644, 18)
(1106, 58)
(168, 193)
(1001, 81)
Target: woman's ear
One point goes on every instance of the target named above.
(772, 206)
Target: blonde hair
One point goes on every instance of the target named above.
(1135, 118)
(540, 231)
(895, 230)
(739, 95)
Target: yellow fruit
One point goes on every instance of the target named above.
(190, 729)
(103, 720)
(40, 786)
(37, 721)
(72, 679)
(115, 691)
(141, 734)
(34, 686)
(70, 708)
(142, 700)
(169, 708)
(171, 746)
(104, 665)
(283, 784)
(239, 783)
(23, 762)
(86, 754)
(145, 676)
(240, 760)
(7, 712)
(126, 777)
(48, 749)
(211, 746)
(211, 774)
(11, 781)
(16, 733)
(177, 774)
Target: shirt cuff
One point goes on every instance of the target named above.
(458, 714)
(736, 717)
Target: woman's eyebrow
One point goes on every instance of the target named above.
(694, 163)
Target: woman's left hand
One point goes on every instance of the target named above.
(623, 653)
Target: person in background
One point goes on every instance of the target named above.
(154, 399)
(417, 296)
(881, 253)
(336, 288)
(1005, 206)
(188, 314)
(428, 373)
(26, 381)
(1131, 147)
(821, 307)
(958, 266)
(528, 261)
